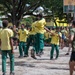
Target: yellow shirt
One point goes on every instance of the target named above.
(23, 35)
(0, 32)
(40, 26)
(47, 35)
(33, 30)
(5, 36)
(55, 39)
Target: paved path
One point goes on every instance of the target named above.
(42, 66)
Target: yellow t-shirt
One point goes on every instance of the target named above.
(23, 35)
(40, 26)
(55, 39)
(47, 35)
(33, 30)
(5, 36)
(0, 32)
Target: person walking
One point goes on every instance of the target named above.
(6, 42)
(72, 41)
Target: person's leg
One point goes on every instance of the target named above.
(4, 56)
(16, 44)
(41, 42)
(33, 53)
(11, 61)
(24, 49)
(69, 48)
(29, 41)
(52, 51)
(71, 66)
(34, 47)
(62, 43)
(37, 44)
(72, 62)
(20, 49)
(57, 51)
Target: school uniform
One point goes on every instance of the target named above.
(55, 44)
(22, 41)
(47, 37)
(40, 24)
(5, 36)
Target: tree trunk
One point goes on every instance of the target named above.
(15, 22)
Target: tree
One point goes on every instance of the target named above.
(17, 9)
(56, 6)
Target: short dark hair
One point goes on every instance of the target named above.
(39, 16)
(73, 22)
(5, 23)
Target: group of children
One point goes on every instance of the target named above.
(34, 36)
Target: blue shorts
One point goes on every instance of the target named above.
(63, 36)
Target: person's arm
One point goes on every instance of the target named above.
(46, 29)
(15, 31)
(11, 40)
(52, 34)
(11, 43)
(71, 38)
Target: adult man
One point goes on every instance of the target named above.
(72, 41)
(7, 47)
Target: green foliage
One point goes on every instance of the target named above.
(56, 6)
(17, 9)
(27, 21)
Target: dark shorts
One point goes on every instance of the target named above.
(63, 36)
(72, 58)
